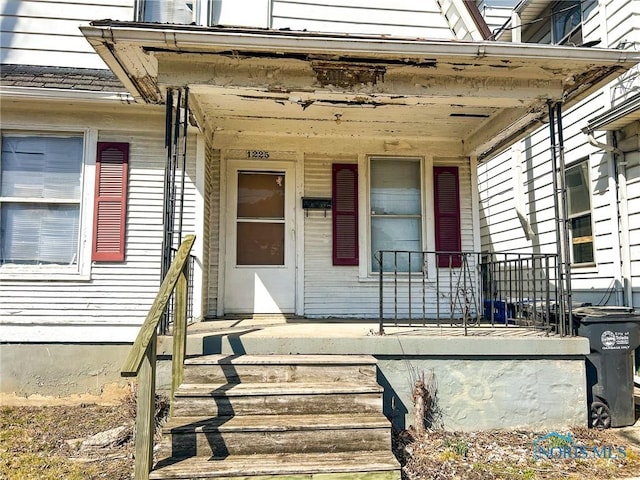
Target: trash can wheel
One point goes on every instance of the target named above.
(600, 415)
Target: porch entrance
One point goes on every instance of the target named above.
(260, 258)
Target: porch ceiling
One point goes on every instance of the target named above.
(479, 97)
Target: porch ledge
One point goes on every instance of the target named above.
(357, 338)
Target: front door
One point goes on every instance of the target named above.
(260, 254)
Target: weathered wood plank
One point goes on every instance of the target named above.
(276, 389)
(255, 373)
(179, 330)
(221, 444)
(262, 423)
(373, 465)
(145, 413)
(273, 404)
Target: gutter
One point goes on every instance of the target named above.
(64, 94)
(208, 39)
(614, 114)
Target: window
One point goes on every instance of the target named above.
(566, 20)
(167, 11)
(579, 214)
(40, 196)
(396, 211)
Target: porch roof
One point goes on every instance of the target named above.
(472, 98)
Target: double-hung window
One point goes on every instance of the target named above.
(396, 208)
(566, 22)
(167, 11)
(40, 197)
(579, 212)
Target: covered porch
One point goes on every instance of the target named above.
(366, 143)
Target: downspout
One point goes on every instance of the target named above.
(619, 176)
(603, 146)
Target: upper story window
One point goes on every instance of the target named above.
(579, 214)
(559, 24)
(40, 196)
(167, 11)
(566, 20)
(247, 13)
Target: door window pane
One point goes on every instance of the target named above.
(260, 218)
(260, 195)
(260, 243)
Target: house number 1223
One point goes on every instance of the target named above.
(257, 154)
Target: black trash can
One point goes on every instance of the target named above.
(614, 334)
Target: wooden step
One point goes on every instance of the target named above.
(260, 434)
(280, 368)
(375, 465)
(230, 400)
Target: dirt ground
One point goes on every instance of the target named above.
(44, 443)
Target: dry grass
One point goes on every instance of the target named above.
(439, 455)
(33, 446)
(33, 443)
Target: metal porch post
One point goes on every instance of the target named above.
(560, 211)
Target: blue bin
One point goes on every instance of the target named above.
(499, 310)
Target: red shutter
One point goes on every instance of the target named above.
(345, 214)
(110, 206)
(447, 212)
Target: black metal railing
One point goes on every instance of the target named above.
(465, 289)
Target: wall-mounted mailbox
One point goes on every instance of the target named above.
(315, 203)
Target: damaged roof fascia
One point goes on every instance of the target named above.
(134, 52)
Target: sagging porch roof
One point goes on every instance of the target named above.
(474, 97)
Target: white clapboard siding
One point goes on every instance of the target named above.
(337, 290)
(495, 17)
(119, 294)
(46, 33)
(500, 228)
(623, 25)
(212, 227)
(591, 21)
(409, 18)
(456, 20)
(633, 195)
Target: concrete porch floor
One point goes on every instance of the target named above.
(284, 335)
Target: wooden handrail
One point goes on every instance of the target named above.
(150, 325)
(141, 361)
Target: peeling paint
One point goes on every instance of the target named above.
(348, 75)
